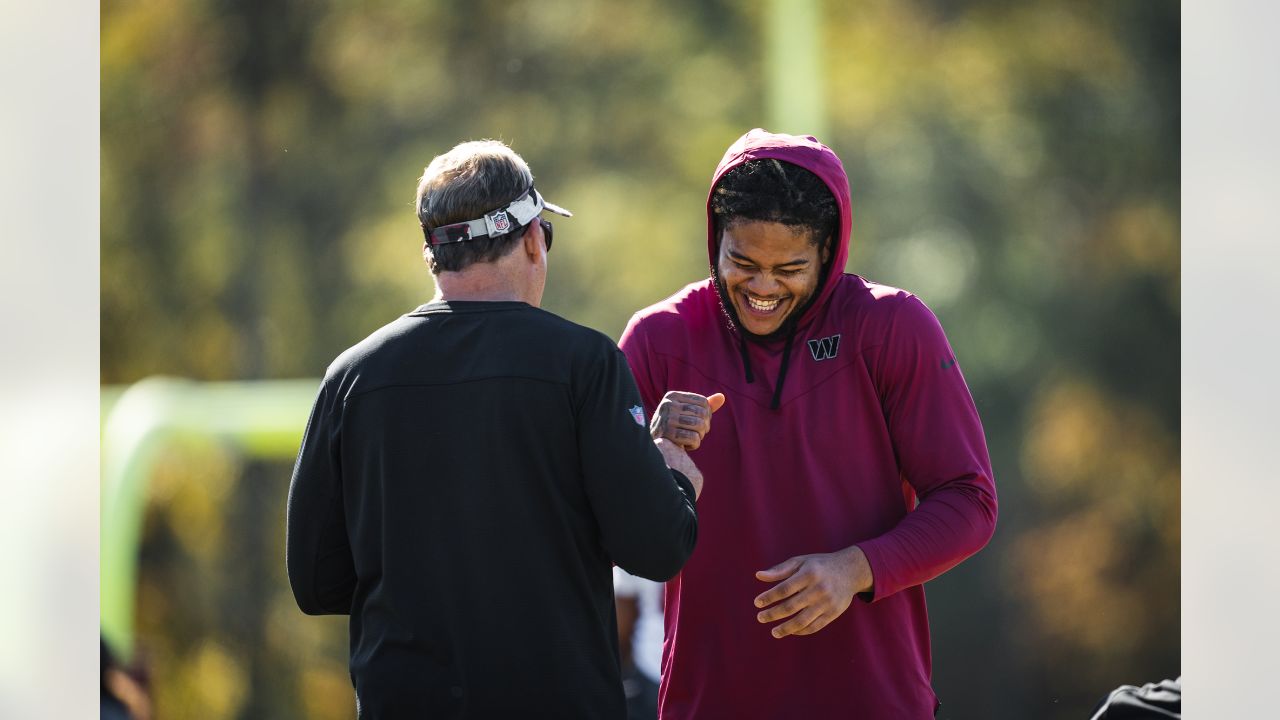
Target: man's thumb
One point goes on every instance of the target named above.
(716, 401)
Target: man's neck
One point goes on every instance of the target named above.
(475, 285)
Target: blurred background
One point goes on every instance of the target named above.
(1015, 164)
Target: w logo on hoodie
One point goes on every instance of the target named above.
(824, 348)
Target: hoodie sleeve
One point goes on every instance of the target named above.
(635, 346)
(941, 450)
(646, 513)
(318, 557)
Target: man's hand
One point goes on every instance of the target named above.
(684, 417)
(677, 459)
(817, 589)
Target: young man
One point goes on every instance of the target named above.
(849, 461)
(472, 471)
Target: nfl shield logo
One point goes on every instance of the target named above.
(637, 414)
(500, 221)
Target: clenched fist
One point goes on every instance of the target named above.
(684, 418)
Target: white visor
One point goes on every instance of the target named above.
(498, 222)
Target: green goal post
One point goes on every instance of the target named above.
(263, 420)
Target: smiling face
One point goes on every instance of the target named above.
(769, 271)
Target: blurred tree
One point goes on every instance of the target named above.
(1016, 164)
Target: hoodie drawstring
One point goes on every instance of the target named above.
(782, 371)
(746, 359)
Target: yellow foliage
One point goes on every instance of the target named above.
(326, 693)
(1087, 574)
(1066, 570)
(1082, 445)
(218, 682)
(192, 483)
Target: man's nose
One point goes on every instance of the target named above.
(762, 283)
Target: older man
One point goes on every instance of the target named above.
(471, 472)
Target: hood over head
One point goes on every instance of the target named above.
(807, 152)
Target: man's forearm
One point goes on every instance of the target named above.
(950, 524)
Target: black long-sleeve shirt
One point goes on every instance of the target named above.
(469, 474)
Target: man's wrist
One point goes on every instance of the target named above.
(864, 581)
(686, 484)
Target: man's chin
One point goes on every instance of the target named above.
(761, 332)
(758, 331)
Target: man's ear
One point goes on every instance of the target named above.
(826, 249)
(532, 240)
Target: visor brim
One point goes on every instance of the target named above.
(552, 207)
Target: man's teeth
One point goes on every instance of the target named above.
(762, 305)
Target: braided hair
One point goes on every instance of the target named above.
(775, 191)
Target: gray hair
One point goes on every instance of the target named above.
(463, 184)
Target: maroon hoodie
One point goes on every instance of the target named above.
(874, 413)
